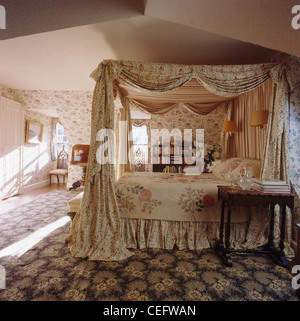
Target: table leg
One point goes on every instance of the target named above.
(270, 246)
(282, 237)
(220, 245)
(227, 238)
(221, 233)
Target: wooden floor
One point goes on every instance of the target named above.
(18, 200)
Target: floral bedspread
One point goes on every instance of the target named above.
(175, 197)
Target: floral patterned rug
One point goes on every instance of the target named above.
(47, 272)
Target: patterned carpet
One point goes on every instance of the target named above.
(47, 272)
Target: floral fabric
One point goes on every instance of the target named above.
(276, 149)
(236, 166)
(163, 234)
(173, 197)
(96, 231)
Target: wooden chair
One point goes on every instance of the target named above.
(62, 166)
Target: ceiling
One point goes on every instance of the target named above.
(55, 45)
(64, 59)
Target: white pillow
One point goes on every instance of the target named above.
(236, 166)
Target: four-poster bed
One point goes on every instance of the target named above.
(98, 231)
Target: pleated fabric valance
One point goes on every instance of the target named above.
(95, 232)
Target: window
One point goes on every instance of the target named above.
(59, 141)
(60, 134)
(140, 144)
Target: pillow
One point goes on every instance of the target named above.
(214, 164)
(236, 166)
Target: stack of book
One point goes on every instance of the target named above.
(272, 186)
(176, 159)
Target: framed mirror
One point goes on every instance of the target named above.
(34, 132)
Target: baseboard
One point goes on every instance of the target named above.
(35, 186)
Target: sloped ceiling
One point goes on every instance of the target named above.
(36, 16)
(263, 22)
(55, 45)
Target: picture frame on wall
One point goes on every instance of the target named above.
(34, 132)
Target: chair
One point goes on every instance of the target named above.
(62, 166)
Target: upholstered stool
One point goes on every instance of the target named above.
(74, 204)
(57, 173)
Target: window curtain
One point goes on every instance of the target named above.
(224, 140)
(95, 231)
(140, 123)
(123, 130)
(249, 141)
(53, 144)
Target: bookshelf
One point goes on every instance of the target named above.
(171, 157)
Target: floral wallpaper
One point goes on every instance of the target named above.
(182, 118)
(74, 113)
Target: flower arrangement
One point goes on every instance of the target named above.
(78, 154)
(210, 156)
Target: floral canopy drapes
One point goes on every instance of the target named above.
(95, 232)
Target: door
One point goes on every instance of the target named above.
(11, 147)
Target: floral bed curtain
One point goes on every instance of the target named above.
(95, 232)
(276, 149)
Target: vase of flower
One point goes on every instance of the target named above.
(210, 157)
(78, 155)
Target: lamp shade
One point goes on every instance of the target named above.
(230, 126)
(259, 118)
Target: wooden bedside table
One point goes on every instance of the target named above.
(235, 196)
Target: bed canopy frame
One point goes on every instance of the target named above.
(95, 231)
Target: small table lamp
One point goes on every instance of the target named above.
(230, 127)
(259, 118)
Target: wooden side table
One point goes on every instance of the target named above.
(231, 196)
(83, 161)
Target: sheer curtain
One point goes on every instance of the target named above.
(124, 141)
(95, 231)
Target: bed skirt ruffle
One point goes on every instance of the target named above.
(142, 234)
(163, 234)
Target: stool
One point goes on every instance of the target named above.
(57, 173)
